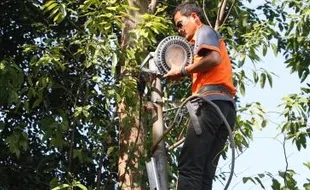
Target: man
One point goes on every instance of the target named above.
(211, 75)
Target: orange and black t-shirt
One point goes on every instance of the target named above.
(207, 38)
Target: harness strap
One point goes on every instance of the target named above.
(192, 110)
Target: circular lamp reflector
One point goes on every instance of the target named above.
(172, 51)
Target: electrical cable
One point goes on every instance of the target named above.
(230, 134)
(178, 47)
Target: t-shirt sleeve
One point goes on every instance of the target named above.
(207, 39)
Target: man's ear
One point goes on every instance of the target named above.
(194, 15)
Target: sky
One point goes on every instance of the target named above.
(266, 151)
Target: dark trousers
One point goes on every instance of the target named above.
(200, 153)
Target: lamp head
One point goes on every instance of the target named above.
(172, 50)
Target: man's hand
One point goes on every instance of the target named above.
(174, 73)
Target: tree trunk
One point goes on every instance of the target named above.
(131, 149)
(131, 138)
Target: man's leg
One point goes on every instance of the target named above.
(219, 142)
(196, 149)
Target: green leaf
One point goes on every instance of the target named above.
(85, 113)
(63, 9)
(63, 186)
(275, 49)
(275, 184)
(77, 111)
(58, 17)
(112, 8)
(13, 97)
(80, 186)
(307, 186)
(255, 77)
(2, 125)
(77, 153)
(16, 142)
(49, 5)
(269, 77)
(242, 59)
(264, 123)
(3, 66)
(44, 60)
(242, 89)
(260, 182)
(57, 141)
(307, 164)
(261, 175)
(110, 150)
(54, 182)
(264, 50)
(61, 15)
(54, 12)
(37, 102)
(262, 80)
(246, 179)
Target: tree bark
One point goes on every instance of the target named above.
(131, 138)
(131, 149)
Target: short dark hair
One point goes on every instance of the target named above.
(188, 8)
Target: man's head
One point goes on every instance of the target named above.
(187, 18)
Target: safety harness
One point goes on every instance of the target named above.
(193, 105)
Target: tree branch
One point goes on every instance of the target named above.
(176, 144)
(151, 6)
(286, 162)
(220, 14)
(229, 11)
(204, 12)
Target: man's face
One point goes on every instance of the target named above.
(186, 26)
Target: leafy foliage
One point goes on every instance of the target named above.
(56, 110)
(60, 84)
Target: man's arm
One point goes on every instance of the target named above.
(209, 60)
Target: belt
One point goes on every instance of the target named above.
(193, 106)
(216, 89)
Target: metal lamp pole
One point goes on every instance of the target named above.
(159, 154)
